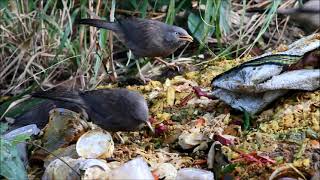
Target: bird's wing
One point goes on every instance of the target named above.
(67, 96)
(101, 101)
(142, 34)
(39, 114)
(105, 108)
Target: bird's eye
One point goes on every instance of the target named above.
(177, 33)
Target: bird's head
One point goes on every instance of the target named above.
(178, 35)
(138, 108)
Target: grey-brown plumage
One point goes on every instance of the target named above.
(39, 114)
(145, 37)
(111, 109)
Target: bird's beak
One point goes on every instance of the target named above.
(186, 38)
(150, 126)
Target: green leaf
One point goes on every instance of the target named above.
(3, 127)
(21, 108)
(51, 22)
(31, 5)
(96, 67)
(196, 27)
(6, 104)
(225, 19)
(103, 38)
(229, 168)
(181, 5)
(246, 119)
(48, 4)
(143, 9)
(171, 13)
(20, 138)
(134, 4)
(4, 4)
(11, 165)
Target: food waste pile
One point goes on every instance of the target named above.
(194, 137)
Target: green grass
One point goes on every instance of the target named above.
(41, 44)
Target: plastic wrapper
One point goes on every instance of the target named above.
(255, 84)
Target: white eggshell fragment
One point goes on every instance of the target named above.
(87, 169)
(95, 169)
(66, 169)
(95, 144)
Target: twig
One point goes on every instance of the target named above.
(184, 49)
(284, 28)
(114, 74)
(31, 143)
(241, 26)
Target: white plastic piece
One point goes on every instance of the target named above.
(136, 169)
(194, 174)
(29, 130)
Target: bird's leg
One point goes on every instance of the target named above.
(144, 79)
(118, 136)
(171, 65)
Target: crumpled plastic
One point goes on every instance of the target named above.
(255, 84)
(21, 148)
(135, 169)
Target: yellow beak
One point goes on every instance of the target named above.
(186, 38)
(150, 126)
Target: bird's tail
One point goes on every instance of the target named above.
(58, 95)
(98, 23)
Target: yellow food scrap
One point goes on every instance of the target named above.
(274, 125)
(157, 107)
(163, 117)
(167, 84)
(192, 75)
(263, 127)
(315, 121)
(301, 163)
(171, 96)
(288, 121)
